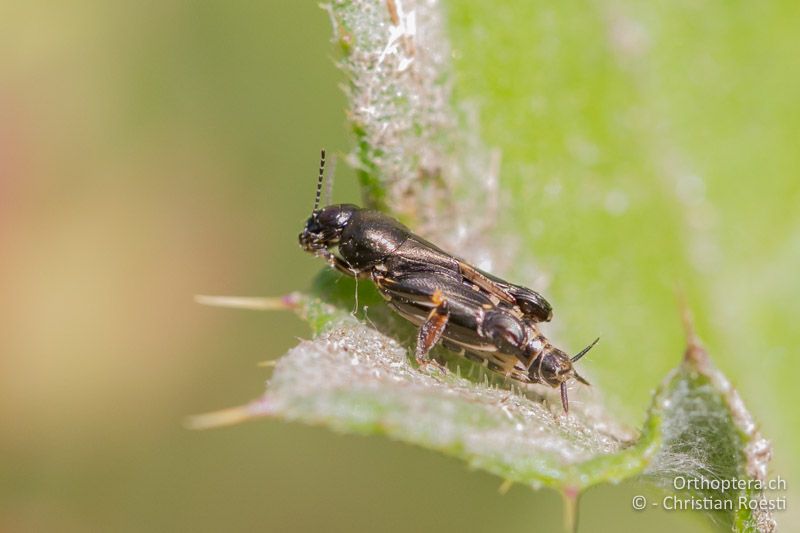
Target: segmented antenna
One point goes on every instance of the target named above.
(320, 179)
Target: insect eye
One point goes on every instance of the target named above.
(312, 225)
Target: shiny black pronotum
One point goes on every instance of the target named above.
(471, 312)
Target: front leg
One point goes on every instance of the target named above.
(339, 264)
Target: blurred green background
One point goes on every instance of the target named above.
(152, 151)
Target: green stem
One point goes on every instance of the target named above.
(570, 496)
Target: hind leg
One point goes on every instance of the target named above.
(432, 301)
(432, 329)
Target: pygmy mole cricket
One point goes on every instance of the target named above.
(471, 312)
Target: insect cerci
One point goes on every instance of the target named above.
(469, 311)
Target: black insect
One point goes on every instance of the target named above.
(476, 314)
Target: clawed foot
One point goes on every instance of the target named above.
(432, 366)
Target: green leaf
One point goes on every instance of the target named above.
(567, 96)
(707, 436)
(355, 378)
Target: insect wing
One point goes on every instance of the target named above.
(531, 304)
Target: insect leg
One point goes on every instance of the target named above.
(432, 329)
(442, 306)
(339, 264)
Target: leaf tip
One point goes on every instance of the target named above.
(230, 416)
(695, 354)
(279, 303)
(505, 486)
